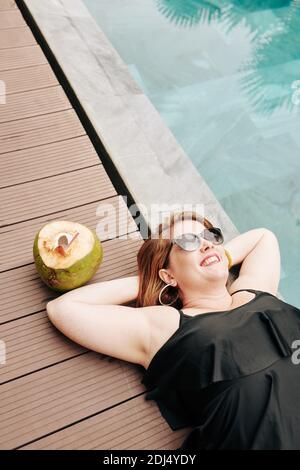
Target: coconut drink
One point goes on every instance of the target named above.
(66, 254)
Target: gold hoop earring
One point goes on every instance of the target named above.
(159, 297)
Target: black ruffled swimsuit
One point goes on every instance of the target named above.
(233, 376)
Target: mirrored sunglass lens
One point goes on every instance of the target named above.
(214, 235)
(188, 241)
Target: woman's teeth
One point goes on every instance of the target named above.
(209, 261)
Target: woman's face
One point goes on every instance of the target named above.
(185, 266)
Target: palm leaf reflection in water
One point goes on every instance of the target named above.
(270, 78)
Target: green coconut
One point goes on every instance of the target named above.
(66, 254)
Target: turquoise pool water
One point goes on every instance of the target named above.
(225, 77)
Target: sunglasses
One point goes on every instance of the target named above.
(192, 241)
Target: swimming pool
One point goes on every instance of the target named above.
(225, 77)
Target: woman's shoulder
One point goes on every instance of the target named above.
(161, 316)
(162, 321)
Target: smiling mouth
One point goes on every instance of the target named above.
(210, 264)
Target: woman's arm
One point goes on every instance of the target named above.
(116, 291)
(91, 316)
(260, 267)
(240, 246)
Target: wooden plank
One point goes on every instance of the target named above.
(7, 5)
(31, 294)
(134, 425)
(47, 160)
(48, 381)
(39, 130)
(31, 78)
(11, 19)
(17, 240)
(21, 57)
(50, 195)
(34, 103)
(17, 37)
(32, 344)
(33, 406)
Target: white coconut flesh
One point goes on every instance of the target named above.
(63, 243)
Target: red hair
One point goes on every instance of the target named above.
(153, 255)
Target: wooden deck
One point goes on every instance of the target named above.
(54, 393)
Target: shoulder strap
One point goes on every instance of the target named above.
(182, 317)
(250, 290)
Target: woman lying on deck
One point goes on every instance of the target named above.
(219, 359)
